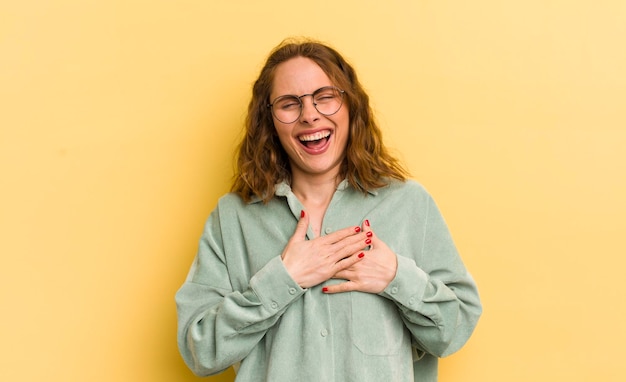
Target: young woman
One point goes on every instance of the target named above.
(324, 263)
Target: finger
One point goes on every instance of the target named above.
(348, 262)
(346, 269)
(302, 226)
(346, 274)
(348, 247)
(347, 286)
(337, 236)
(369, 233)
(366, 224)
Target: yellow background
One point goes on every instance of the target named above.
(119, 118)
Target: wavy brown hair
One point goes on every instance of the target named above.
(261, 160)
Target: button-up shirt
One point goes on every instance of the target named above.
(239, 306)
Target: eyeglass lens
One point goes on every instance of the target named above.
(288, 108)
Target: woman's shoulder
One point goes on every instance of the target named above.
(231, 200)
(404, 188)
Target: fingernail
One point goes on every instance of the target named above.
(357, 229)
(361, 255)
(324, 289)
(369, 234)
(368, 241)
(367, 222)
(302, 214)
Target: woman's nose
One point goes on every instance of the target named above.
(309, 112)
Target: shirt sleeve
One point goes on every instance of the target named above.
(217, 325)
(435, 294)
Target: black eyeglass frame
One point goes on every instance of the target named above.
(299, 98)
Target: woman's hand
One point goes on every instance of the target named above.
(311, 262)
(373, 273)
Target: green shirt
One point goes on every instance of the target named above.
(239, 306)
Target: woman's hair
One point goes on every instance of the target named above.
(261, 160)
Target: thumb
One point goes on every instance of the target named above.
(302, 226)
(368, 232)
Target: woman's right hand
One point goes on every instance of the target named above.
(311, 262)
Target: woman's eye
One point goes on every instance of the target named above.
(289, 105)
(324, 98)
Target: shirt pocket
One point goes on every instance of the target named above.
(377, 328)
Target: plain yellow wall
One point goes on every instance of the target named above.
(118, 119)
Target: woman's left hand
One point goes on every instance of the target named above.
(373, 273)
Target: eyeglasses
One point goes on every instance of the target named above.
(288, 108)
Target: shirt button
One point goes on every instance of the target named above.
(292, 290)
(394, 290)
(324, 332)
(411, 301)
(328, 230)
(274, 305)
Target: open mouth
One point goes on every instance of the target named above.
(315, 140)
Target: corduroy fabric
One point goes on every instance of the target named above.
(239, 306)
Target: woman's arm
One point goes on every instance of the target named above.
(217, 325)
(436, 296)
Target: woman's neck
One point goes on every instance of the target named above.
(315, 195)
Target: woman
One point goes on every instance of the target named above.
(325, 263)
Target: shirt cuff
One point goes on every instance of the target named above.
(409, 284)
(274, 286)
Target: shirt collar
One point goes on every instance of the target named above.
(283, 189)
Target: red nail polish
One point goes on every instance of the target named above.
(361, 255)
(368, 241)
(302, 214)
(367, 222)
(357, 229)
(369, 234)
(324, 289)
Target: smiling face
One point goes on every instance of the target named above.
(315, 143)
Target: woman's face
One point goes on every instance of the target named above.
(315, 143)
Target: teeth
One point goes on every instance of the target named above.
(314, 137)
